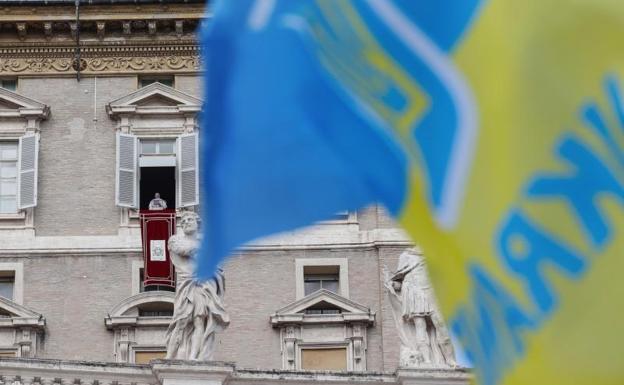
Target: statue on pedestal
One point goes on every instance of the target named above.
(198, 312)
(425, 341)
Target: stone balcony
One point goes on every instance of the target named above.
(16, 371)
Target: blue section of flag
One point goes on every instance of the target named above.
(285, 143)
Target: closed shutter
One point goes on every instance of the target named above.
(127, 183)
(27, 163)
(188, 190)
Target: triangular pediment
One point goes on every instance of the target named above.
(13, 104)
(154, 95)
(18, 314)
(323, 299)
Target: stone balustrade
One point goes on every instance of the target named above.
(18, 371)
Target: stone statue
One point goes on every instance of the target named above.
(157, 203)
(424, 337)
(198, 312)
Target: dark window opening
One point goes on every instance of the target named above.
(9, 84)
(323, 308)
(147, 80)
(156, 309)
(157, 180)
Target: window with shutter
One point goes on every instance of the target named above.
(127, 182)
(27, 182)
(187, 170)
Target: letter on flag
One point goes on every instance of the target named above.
(493, 130)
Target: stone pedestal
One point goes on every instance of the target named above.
(179, 372)
(405, 376)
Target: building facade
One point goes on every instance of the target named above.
(98, 111)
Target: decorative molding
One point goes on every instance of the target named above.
(26, 326)
(164, 56)
(125, 321)
(294, 313)
(346, 329)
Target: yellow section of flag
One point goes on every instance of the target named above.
(529, 277)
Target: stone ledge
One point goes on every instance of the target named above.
(178, 372)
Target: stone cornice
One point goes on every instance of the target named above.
(100, 12)
(101, 58)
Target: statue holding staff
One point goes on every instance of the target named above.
(198, 312)
(424, 337)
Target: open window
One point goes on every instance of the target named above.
(165, 166)
(157, 147)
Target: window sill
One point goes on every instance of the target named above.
(9, 216)
(134, 214)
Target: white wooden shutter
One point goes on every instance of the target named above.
(188, 177)
(27, 165)
(126, 188)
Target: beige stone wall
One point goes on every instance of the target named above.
(259, 283)
(75, 293)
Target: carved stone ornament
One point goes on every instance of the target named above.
(103, 59)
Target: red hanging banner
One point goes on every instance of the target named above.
(156, 228)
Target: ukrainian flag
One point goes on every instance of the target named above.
(493, 130)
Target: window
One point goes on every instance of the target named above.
(9, 84)
(8, 353)
(324, 359)
(313, 274)
(8, 177)
(147, 80)
(12, 281)
(144, 357)
(323, 308)
(143, 288)
(158, 146)
(321, 277)
(167, 166)
(7, 283)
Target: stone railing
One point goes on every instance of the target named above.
(16, 371)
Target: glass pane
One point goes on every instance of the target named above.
(6, 289)
(148, 147)
(331, 286)
(8, 205)
(167, 82)
(8, 169)
(145, 82)
(8, 151)
(311, 286)
(166, 147)
(9, 84)
(8, 187)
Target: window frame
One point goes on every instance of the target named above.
(9, 79)
(343, 274)
(17, 270)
